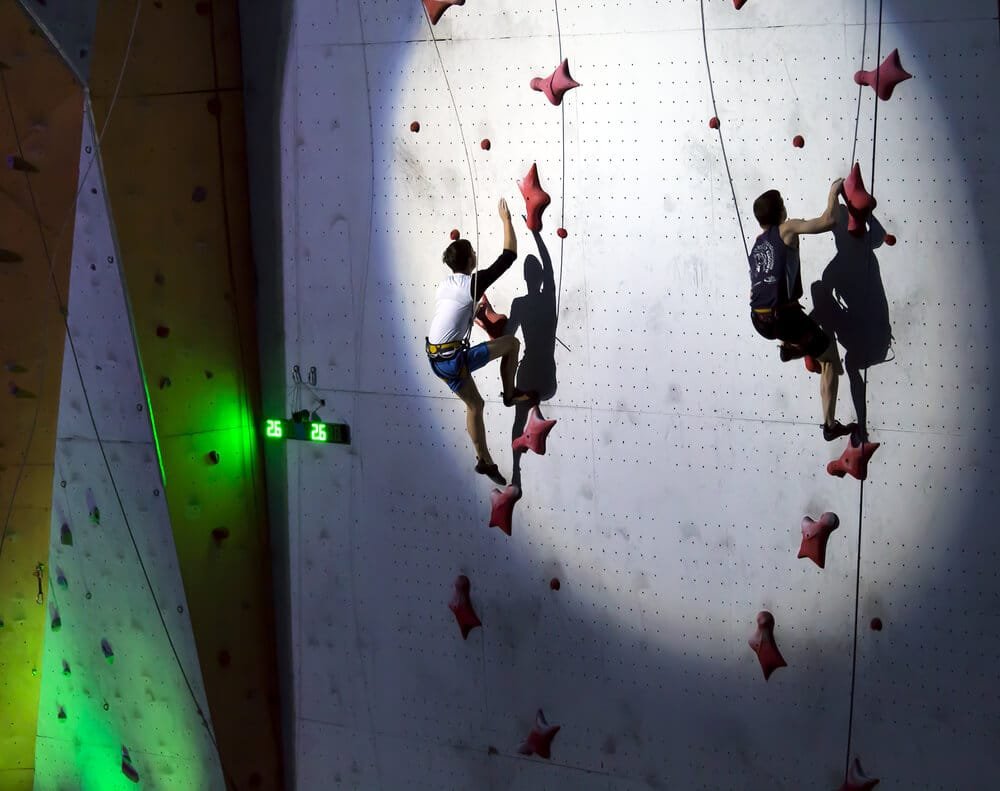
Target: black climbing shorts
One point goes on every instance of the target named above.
(790, 324)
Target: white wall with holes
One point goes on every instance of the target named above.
(685, 453)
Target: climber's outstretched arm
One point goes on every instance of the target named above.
(790, 229)
(509, 239)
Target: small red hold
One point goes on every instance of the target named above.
(815, 535)
(739, 4)
(534, 434)
(502, 507)
(798, 141)
(219, 535)
(461, 606)
(876, 624)
(489, 320)
(455, 235)
(764, 646)
(213, 457)
(860, 202)
(556, 84)
(415, 126)
(535, 198)
(812, 364)
(435, 8)
(713, 122)
(856, 779)
(162, 331)
(854, 460)
(890, 239)
(485, 144)
(539, 741)
(554, 583)
(886, 77)
(561, 233)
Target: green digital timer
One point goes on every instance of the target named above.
(307, 430)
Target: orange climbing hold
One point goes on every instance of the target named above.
(435, 8)
(764, 645)
(885, 78)
(535, 198)
(815, 535)
(461, 606)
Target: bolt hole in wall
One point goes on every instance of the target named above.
(685, 498)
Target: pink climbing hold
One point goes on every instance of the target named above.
(886, 77)
(764, 646)
(798, 141)
(562, 233)
(539, 741)
(815, 535)
(435, 8)
(713, 122)
(489, 320)
(535, 198)
(455, 235)
(485, 144)
(860, 202)
(502, 507)
(534, 434)
(856, 779)
(556, 84)
(461, 606)
(854, 460)
(890, 239)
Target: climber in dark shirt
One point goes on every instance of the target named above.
(775, 290)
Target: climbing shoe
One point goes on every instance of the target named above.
(521, 397)
(491, 471)
(838, 429)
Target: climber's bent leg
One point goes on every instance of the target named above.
(508, 349)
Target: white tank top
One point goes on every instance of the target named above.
(453, 311)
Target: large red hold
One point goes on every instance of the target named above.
(556, 84)
(815, 535)
(461, 606)
(502, 507)
(489, 320)
(535, 433)
(764, 646)
(860, 202)
(539, 741)
(886, 77)
(535, 198)
(854, 460)
(435, 8)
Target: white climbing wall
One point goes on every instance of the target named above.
(685, 454)
(97, 587)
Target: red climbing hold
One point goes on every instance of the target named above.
(534, 434)
(739, 4)
(415, 126)
(854, 460)
(535, 198)
(890, 239)
(856, 779)
(489, 320)
(798, 141)
(502, 508)
(876, 624)
(812, 364)
(815, 535)
(461, 606)
(764, 645)
(556, 84)
(554, 583)
(454, 234)
(539, 741)
(860, 203)
(713, 122)
(886, 77)
(162, 331)
(562, 233)
(485, 144)
(435, 8)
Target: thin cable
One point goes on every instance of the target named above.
(468, 160)
(562, 207)
(722, 142)
(857, 114)
(863, 423)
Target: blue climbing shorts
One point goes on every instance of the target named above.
(454, 371)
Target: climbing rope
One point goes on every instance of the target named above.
(562, 202)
